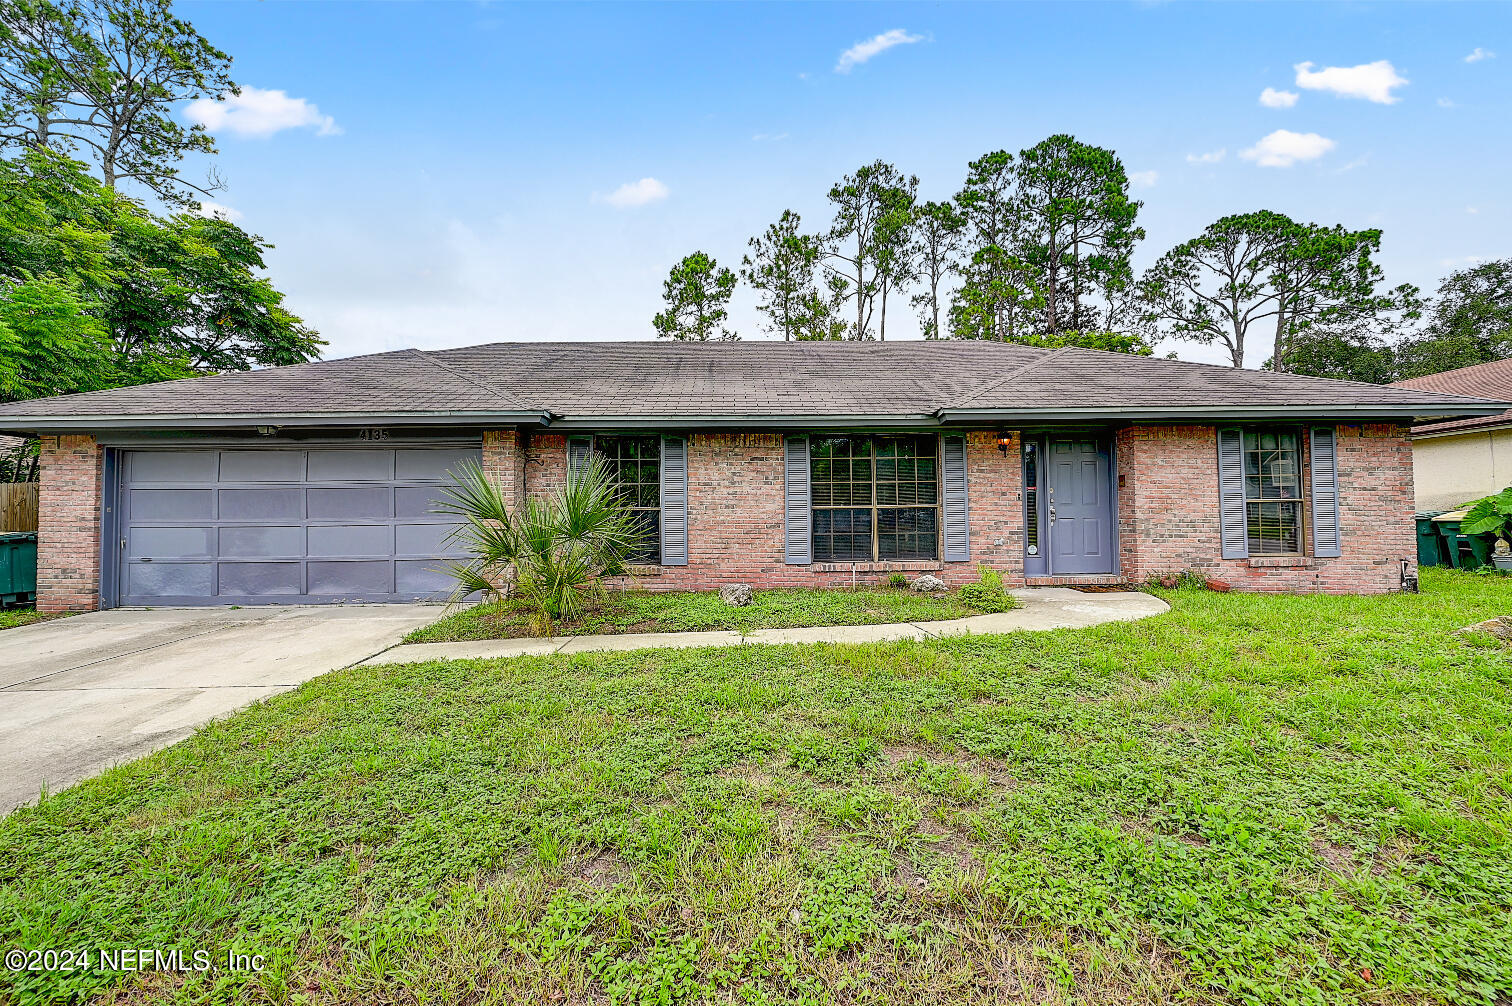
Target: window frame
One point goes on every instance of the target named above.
(1300, 500)
(652, 556)
(873, 507)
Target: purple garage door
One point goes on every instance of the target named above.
(284, 526)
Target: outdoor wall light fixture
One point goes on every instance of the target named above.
(1004, 440)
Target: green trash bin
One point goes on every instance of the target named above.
(18, 568)
(1431, 550)
(1466, 551)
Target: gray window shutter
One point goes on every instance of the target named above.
(674, 501)
(957, 525)
(1325, 492)
(798, 546)
(578, 450)
(1232, 520)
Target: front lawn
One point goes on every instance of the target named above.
(688, 611)
(10, 618)
(1248, 799)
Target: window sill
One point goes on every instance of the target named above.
(641, 569)
(898, 566)
(1281, 561)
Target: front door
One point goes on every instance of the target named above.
(1079, 507)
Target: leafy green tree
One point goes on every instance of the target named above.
(1133, 343)
(105, 77)
(864, 243)
(1077, 227)
(997, 295)
(937, 243)
(896, 254)
(1469, 321)
(780, 267)
(697, 295)
(96, 292)
(1264, 268)
(1350, 355)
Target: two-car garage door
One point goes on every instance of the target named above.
(282, 525)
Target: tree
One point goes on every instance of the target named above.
(1352, 355)
(997, 292)
(106, 76)
(96, 292)
(937, 242)
(862, 241)
(780, 266)
(1468, 322)
(1077, 226)
(1132, 343)
(1265, 268)
(896, 257)
(697, 293)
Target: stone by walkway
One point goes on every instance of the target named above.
(1039, 608)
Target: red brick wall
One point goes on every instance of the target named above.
(735, 521)
(1168, 512)
(68, 524)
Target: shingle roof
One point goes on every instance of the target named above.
(691, 381)
(1483, 380)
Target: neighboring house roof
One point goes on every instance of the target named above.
(599, 384)
(1484, 380)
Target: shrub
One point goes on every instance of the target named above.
(548, 552)
(987, 594)
(898, 581)
(1176, 579)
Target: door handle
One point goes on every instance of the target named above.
(1052, 513)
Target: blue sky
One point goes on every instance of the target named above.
(442, 174)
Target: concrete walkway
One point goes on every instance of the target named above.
(1040, 608)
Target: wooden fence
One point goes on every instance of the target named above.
(18, 506)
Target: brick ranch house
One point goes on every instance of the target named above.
(776, 464)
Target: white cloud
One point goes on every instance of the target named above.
(215, 211)
(633, 194)
(1446, 103)
(259, 113)
(769, 137)
(1472, 210)
(1272, 98)
(1358, 162)
(1143, 179)
(1211, 157)
(863, 51)
(1371, 81)
(1479, 54)
(1283, 148)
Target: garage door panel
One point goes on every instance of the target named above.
(349, 577)
(363, 504)
(170, 543)
(261, 579)
(168, 505)
(284, 525)
(429, 465)
(351, 466)
(262, 542)
(170, 579)
(422, 576)
(351, 539)
(171, 466)
(262, 466)
(262, 504)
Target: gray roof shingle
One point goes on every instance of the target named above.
(589, 380)
(1484, 380)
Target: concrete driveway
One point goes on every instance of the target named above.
(80, 694)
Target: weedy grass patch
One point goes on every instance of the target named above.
(1249, 799)
(693, 611)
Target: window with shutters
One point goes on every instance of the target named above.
(875, 498)
(635, 463)
(1273, 490)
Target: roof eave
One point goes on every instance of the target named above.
(180, 421)
(1409, 413)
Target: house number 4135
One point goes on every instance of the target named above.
(372, 433)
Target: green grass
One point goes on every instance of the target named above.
(645, 611)
(11, 618)
(1249, 799)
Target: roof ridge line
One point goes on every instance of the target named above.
(1019, 372)
(428, 358)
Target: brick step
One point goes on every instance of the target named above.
(1108, 580)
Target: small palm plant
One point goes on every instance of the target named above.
(549, 552)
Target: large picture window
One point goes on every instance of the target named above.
(875, 498)
(1273, 490)
(635, 463)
